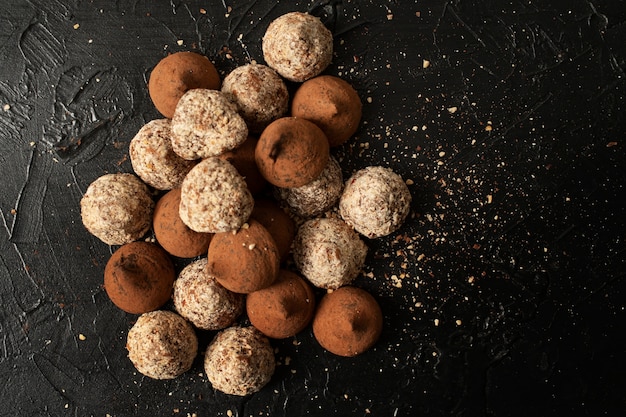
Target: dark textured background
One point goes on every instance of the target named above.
(503, 294)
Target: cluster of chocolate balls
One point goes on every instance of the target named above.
(213, 157)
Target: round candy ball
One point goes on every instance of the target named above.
(375, 201)
(138, 277)
(348, 321)
(239, 361)
(162, 345)
(177, 73)
(291, 152)
(172, 234)
(331, 103)
(117, 208)
(298, 46)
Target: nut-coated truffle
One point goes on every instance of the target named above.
(117, 208)
(348, 321)
(138, 277)
(316, 197)
(239, 361)
(199, 298)
(375, 201)
(260, 94)
(331, 103)
(245, 260)
(328, 252)
(172, 234)
(206, 123)
(292, 152)
(214, 197)
(177, 73)
(242, 158)
(280, 225)
(284, 308)
(162, 345)
(153, 159)
(298, 46)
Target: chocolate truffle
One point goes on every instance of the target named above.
(117, 208)
(328, 252)
(174, 235)
(206, 123)
(316, 197)
(177, 73)
(277, 222)
(214, 198)
(242, 158)
(153, 159)
(138, 277)
(375, 201)
(332, 104)
(284, 308)
(348, 321)
(162, 345)
(298, 46)
(260, 94)
(291, 152)
(239, 361)
(245, 260)
(199, 298)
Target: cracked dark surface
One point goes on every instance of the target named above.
(504, 294)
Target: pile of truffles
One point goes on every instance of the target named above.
(251, 197)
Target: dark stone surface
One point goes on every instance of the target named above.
(503, 294)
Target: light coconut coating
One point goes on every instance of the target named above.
(328, 252)
(246, 260)
(153, 158)
(260, 94)
(348, 321)
(239, 361)
(375, 201)
(206, 123)
(318, 196)
(162, 345)
(199, 298)
(298, 46)
(117, 208)
(214, 198)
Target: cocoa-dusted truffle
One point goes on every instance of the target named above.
(328, 252)
(259, 93)
(239, 361)
(245, 260)
(199, 298)
(348, 321)
(284, 308)
(214, 197)
(206, 123)
(375, 201)
(277, 222)
(117, 208)
(176, 74)
(242, 158)
(174, 235)
(153, 159)
(138, 277)
(331, 103)
(298, 46)
(316, 197)
(162, 345)
(291, 152)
